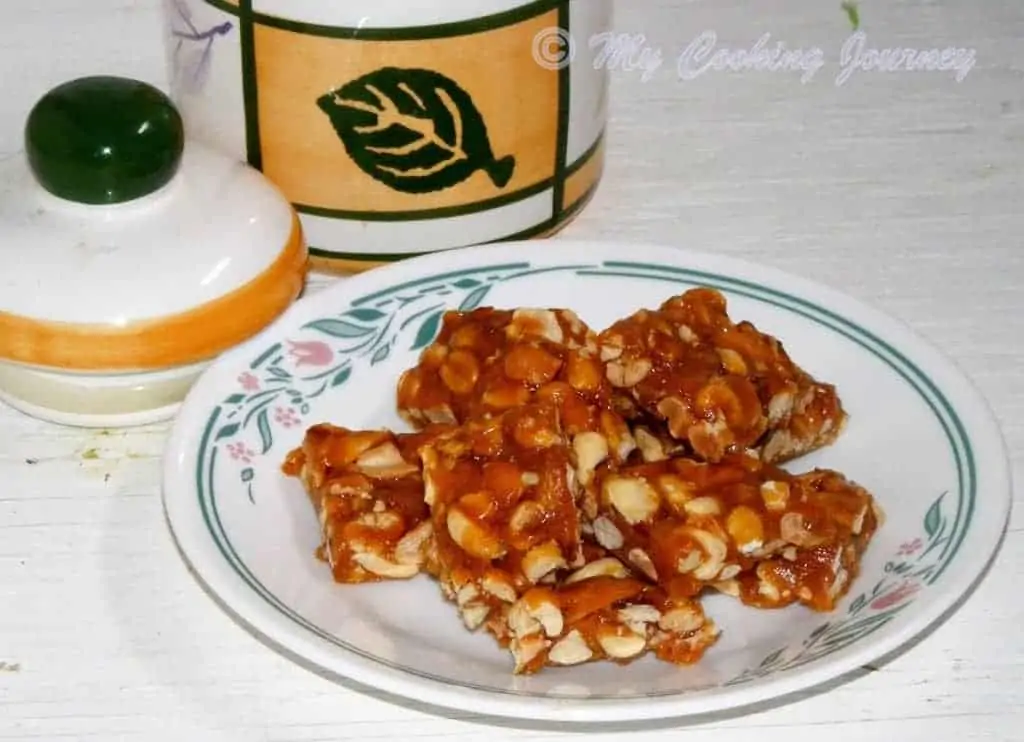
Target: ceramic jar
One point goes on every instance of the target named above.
(397, 128)
(130, 258)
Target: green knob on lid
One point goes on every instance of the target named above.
(104, 140)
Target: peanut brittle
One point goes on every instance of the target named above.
(576, 494)
(719, 386)
(502, 495)
(367, 488)
(814, 569)
(741, 526)
(487, 361)
(601, 612)
(490, 360)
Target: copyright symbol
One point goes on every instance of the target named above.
(553, 48)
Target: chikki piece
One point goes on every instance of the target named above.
(740, 526)
(503, 499)
(367, 488)
(717, 385)
(486, 361)
(601, 612)
(815, 568)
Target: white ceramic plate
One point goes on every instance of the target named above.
(920, 437)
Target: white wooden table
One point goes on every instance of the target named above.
(906, 189)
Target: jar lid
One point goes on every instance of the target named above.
(124, 249)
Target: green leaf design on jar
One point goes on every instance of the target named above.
(414, 130)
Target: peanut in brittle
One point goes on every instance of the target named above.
(741, 526)
(367, 489)
(717, 385)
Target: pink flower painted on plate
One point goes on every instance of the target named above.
(310, 353)
(286, 416)
(909, 548)
(248, 382)
(897, 595)
(241, 452)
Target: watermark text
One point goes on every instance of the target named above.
(633, 53)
